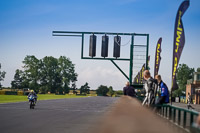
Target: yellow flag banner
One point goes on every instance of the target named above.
(179, 41)
(157, 57)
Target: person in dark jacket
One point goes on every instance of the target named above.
(129, 90)
(164, 97)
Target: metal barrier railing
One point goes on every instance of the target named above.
(182, 117)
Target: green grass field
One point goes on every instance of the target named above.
(16, 98)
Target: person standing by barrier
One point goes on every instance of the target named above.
(189, 101)
(128, 90)
(164, 96)
(150, 87)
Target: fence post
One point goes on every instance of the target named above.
(170, 113)
(163, 111)
(179, 117)
(191, 118)
(184, 119)
(174, 115)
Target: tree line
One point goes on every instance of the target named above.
(102, 90)
(49, 74)
(44, 75)
(57, 75)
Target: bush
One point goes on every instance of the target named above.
(119, 93)
(102, 90)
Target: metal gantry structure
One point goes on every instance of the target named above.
(132, 46)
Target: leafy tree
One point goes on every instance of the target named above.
(49, 74)
(198, 69)
(17, 82)
(85, 88)
(111, 92)
(184, 73)
(67, 72)
(43, 89)
(102, 90)
(2, 75)
(32, 69)
(20, 80)
(67, 69)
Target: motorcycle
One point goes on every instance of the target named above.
(31, 101)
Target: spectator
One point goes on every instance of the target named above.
(150, 86)
(129, 90)
(164, 97)
(189, 101)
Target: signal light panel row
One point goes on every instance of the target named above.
(104, 46)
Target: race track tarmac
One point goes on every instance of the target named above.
(75, 115)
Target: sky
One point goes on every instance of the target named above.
(26, 29)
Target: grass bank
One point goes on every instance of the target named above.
(17, 98)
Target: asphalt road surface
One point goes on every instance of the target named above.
(76, 115)
(183, 105)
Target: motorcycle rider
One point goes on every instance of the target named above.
(32, 93)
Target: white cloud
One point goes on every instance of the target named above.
(97, 76)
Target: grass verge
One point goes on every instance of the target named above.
(16, 98)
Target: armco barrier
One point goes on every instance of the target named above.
(92, 95)
(11, 93)
(2, 92)
(80, 94)
(20, 93)
(182, 117)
